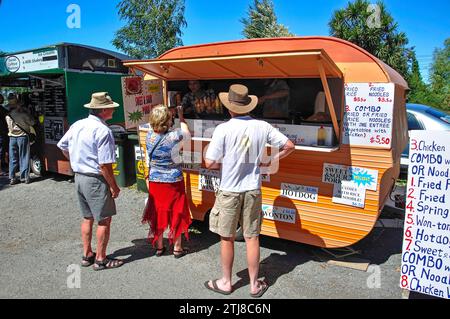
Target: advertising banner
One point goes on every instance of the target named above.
(139, 97)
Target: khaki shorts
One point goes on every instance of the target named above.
(232, 208)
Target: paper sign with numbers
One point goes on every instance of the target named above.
(426, 234)
(368, 114)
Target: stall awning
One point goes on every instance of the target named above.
(274, 65)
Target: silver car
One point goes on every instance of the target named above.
(423, 117)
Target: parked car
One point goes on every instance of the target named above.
(423, 117)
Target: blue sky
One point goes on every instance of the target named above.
(26, 24)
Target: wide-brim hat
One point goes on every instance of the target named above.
(237, 99)
(101, 100)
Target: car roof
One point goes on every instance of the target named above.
(417, 107)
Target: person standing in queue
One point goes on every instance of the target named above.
(167, 206)
(237, 149)
(90, 147)
(19, 123)
(3, 138)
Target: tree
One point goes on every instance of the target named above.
(372, 28)
(262, 22)
(153, 27)
(440, 78)
(419, 91)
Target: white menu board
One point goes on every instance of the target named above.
(139, 97)
(426, 238)
(350, 183)
(208, 180)
(368, 114)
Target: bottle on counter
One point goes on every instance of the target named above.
(321, 136)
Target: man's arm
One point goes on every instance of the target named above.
(108, 174)
(271, 167)
(209, 164)
(183, 124)
(214, 153)
(66, 154)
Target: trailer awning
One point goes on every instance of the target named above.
(272, 65)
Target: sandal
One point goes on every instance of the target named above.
(107, 264)
(215, 288)
(160, 251)
(88, 261)
(180, 253)
(263, 286)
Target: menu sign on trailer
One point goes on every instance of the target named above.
(426, 238)
(368, 114)
(139, 97)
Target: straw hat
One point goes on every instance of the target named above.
(237, 99)
(101, 100)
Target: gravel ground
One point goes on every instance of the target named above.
(40, 251)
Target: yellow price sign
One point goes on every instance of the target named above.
(153, 88)
(141, 167)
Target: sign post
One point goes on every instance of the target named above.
(426, 238)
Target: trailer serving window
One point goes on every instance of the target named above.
(310, 112)
(296, 106)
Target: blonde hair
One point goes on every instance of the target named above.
(159, 119)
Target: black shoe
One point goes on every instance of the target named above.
(160, 251)
(14, 182)
(180, 253)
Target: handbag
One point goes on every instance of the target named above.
(31, 134)
(147, 177)
(151, 154)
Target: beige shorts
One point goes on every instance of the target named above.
(232, 208)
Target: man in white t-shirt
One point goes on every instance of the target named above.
(238, 148)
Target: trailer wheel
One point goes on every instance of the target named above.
(36, 165)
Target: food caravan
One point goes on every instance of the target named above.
(58, 81)
(328, 194)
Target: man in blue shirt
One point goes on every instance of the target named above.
(89, 145)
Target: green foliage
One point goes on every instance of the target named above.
(419, 91)
(153, 27)
(373, 29)
(440, 78)
(262, 22)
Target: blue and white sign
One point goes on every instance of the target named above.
(426, 238)
(300, 192)
(360, 177)
(281, 214)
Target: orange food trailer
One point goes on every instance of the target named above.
(330, 191)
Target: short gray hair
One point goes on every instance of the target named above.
(95, 111)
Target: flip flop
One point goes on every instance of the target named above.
(215, 288)
(264, 286)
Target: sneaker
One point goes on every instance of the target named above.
(14, 182)
(27, 181)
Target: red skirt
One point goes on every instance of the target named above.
(167, 206)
